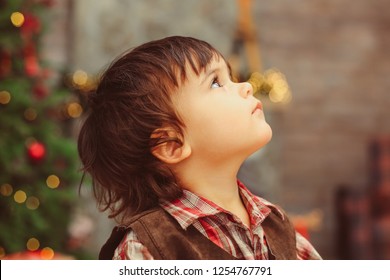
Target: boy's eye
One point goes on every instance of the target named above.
(215, 84)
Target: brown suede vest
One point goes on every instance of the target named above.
(166, 240)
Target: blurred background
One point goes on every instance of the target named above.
(321, 71)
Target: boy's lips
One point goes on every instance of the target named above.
(258, 106)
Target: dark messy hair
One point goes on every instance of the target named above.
(132, 100)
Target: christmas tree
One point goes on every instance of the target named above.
(38, 158)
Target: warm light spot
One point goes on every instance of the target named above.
(75, 110)
(20, 196)
(32, 203)
(33, 244)
(80, 78)
(53, 181)
(30, 114)
(6, 189)
(280, 86)
(2, 252)
(273, 76)
(275, 96)
(47, 253)
(5, 97)
(256, 80)
(280, 96)
(17, 19)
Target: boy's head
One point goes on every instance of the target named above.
(133, 100)
(155, 106)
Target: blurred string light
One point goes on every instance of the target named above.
(30, 114)
(17, 19)
(5, 97)
(280, 91)
(6, 189)
(82, 81)
(273, 84)
(47, 253)
(80, 78)
(20, 196)
(74, 110)
(32, 203)
(71, 109)
(33, 244)
(53, 181)
(257, 81)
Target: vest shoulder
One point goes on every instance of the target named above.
(166, 239)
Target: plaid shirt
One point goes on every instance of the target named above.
(220, 226)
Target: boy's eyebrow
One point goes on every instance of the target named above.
(209, 73)
(212, 71)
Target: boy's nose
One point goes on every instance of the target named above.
(246, 89)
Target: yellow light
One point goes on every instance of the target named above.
(30, 114)
(274, 75)
(6, 189)
(32, 203)
(20, 196)
(47, 253)
(17, 19)
(33, 244)
(2, 252)
(80, 78)
(280, 96)
(280, 86)
(53, 181)
(74, 110)
(256, 80)
(5, 97)
(275, 96)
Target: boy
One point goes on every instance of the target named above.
(165, 137)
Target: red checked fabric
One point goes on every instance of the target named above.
(220, 226)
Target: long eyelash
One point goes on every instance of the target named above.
(215, 80)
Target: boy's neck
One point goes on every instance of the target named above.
(215, 181)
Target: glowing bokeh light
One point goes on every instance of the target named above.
(5, 97)
(30, 114)
(32, 203)
(47, 253)
(80, 78)
(33, 244)
(6, 189)
(256, 80)
(53, 181)
(20, 196)
(74, 110)
(17, 19)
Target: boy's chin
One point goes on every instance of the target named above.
(265, 137)
(260, 144)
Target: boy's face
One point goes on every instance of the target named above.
(222, 118)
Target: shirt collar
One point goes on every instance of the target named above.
(257, 206)
(191, 207)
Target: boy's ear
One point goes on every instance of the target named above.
(172, 151)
